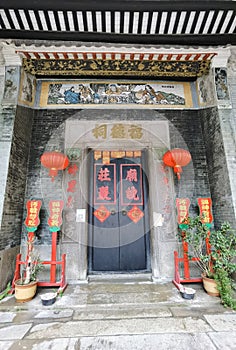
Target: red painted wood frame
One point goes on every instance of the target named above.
(53, 262)
(185, 260)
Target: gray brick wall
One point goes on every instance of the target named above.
(186, 132)
(47, 126)
(16, 179)
(7, 117)
(221, 190)
(229, 130)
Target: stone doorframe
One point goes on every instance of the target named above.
(152, 135)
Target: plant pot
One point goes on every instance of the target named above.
(210, 286)
(25, 292)
(48, 298)
(187, 293)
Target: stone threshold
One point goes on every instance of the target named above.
(120, 277)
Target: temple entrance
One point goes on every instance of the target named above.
(118, 212)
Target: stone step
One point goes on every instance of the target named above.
(113, 300)
(106, 327)
(120, 278)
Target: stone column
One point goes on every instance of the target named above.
(9, 238)
(224, 66)
(9, 77)
(231, 130)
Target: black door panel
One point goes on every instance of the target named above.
(119, 233)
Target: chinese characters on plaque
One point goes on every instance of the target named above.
(55, 214)
(205, 210)
(118, 131)
(32, 220)
(131, 184)
(182, 205)
(205, 207)
(104, 184)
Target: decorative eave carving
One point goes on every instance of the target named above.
(117, 67)
(117, 60)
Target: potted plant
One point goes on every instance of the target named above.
(26, 285)
(216, 260)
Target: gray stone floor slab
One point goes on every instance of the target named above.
(54, 314)
(5, 345)
(24, 316)
(14, 332)
(117, 327)
(149, 342)
(224, 340)
(123, 298)
(71, 301)
(7, 317)
(196, 310)
(96, 287)
(55, 344)
(221, 323)
(122, 313)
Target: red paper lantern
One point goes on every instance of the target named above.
(54, 161)
(176, 158)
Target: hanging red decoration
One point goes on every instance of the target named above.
(176, 158)
(54, 161)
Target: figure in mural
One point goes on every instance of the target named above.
(112, 89)
(71, 96)
(203, 91)
(27, 89)
(54, 94)
(10, 91)
(86, 93)
(221, 84)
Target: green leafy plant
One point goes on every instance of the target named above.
(31, 271)
(33, 265)
(60, 293)
(226, 289)
(218, 262)
(6, 291)
(195, 233)
(223, 253)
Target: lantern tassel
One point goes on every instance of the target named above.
(53, 173)
(178, 170)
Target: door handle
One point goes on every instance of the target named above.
(124, 212)
(113, 211)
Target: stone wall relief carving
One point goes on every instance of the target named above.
(27, 89)
(222, 90)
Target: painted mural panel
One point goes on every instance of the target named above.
(11, 85)
(27, 89)
(222, 91)
(206, 91)
(88, 93)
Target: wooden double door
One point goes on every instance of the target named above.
(118, 212)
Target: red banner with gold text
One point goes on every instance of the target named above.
(55, 214)
(32, 219)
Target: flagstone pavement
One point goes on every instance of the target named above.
(118, 316)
